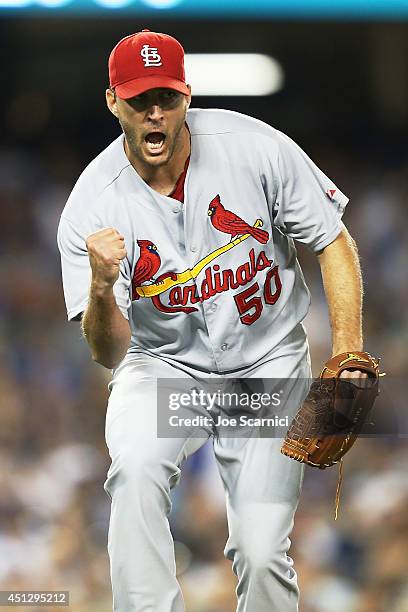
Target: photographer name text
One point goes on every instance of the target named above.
(223, 421)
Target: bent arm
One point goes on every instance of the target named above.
(343, 287)
(104, 327)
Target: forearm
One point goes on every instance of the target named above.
(342, 282)
(105, 328)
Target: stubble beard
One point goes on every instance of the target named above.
(135, 145)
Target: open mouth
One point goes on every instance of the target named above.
(155, 141)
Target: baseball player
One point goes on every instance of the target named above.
(178, 256)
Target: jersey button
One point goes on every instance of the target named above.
(193, 248)
(214, 307)
(224, 347)
(176, 209)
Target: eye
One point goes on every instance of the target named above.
(138, 102)
(169, 97)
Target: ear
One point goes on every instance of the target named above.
(111, 102)
(188, 98)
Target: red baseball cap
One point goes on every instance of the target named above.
(146, 60)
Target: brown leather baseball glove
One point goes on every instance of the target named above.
(334, 411)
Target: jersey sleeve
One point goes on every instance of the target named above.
(76, 272)
(308, 207)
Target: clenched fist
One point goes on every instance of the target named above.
(106, 249)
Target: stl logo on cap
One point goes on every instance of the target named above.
(150, 56)
(147, 60)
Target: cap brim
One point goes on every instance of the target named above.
(138, 86)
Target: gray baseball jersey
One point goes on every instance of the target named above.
(213, 282)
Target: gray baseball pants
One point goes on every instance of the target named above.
(262, 492)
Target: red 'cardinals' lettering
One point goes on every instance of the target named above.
(228, 222)
(162, 307)
(217, 282)
(182, 298)
(146, 267)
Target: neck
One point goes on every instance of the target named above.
(163, 178)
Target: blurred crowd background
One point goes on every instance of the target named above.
(345, 101)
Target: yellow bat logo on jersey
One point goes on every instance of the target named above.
(148, 291)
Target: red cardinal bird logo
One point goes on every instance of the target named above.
(229, 223)
(147, 265)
